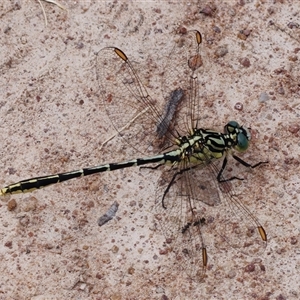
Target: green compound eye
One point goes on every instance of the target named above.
(242, 135)
(231, 127)
(242, 141)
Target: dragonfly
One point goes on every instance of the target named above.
(193, 199)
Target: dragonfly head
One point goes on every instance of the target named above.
(240, 134)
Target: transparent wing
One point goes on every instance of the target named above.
(137, 117)
(197, 211)
(184, 75)
(180, 222)
(133, 113)
(239, 227)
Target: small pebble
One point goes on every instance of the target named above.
(262, 268)
(293, 58)
(294, 240)
(209, 10)
(115, 249)
(250, 268)
(293, 128)
(12, 204)
(245, 62)
(232, 274)
(263, 97)
(238, 106)
(280, 90)
(8, 244)
(216, 29)
(131, 270)
(241, 36)
(221, 51)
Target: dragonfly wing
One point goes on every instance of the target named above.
(181, 223)
(133, 113)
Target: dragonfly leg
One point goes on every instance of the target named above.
(247, 164)
(242, 162)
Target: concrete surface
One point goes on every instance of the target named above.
(51, 246)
